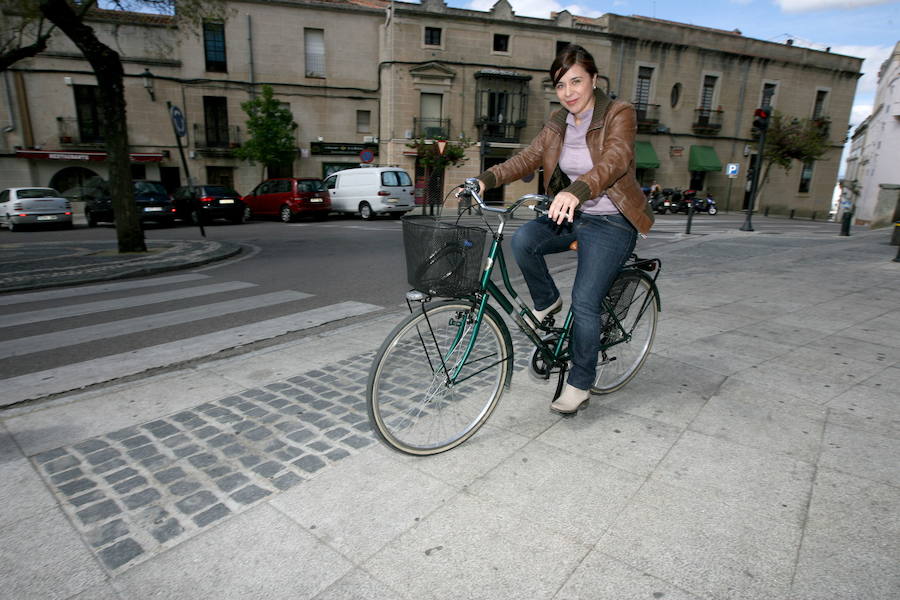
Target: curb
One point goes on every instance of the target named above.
(213, 252)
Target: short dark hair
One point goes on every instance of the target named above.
(573, 54)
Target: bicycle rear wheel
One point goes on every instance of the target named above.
(413, 405)
(636, 309)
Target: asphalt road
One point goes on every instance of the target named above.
(289, 269)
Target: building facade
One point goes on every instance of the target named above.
(372, 75)
(873, 165)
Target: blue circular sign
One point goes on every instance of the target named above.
(366, 156)
(178, 121)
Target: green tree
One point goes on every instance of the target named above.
(789, 139)
(271, 129)
(28, 36)
(430, 156)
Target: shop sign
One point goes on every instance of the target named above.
(339, 149)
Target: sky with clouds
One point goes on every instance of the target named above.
(866, 29)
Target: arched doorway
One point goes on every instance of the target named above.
(70, 180)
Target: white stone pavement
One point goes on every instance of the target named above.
(754, 457)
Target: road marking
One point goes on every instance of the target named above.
(61, 312)
(79, 375)
(80, 335)
(101, 288)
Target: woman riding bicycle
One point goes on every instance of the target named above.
(588, 147)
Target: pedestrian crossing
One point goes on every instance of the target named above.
(36, 325)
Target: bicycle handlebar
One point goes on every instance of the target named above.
(471, 187)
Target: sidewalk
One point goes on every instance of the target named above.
(754, 457)
(29, 265)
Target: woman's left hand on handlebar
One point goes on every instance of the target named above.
(563, 208)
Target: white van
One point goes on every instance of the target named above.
(371, 191)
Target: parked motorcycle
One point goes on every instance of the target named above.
(668, 201)
(707, 204)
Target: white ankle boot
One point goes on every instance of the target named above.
(571, 400)
(550, 310)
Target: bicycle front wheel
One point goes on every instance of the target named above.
(636, 307)
(427, 393)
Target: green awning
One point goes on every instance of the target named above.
(645, 156)
(703, 158)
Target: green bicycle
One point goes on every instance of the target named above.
(440, 373)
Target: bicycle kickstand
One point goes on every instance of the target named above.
(559, 383)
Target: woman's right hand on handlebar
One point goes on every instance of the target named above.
(461, 190)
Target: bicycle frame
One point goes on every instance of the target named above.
(556, 354)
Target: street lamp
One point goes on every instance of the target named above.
(148, 83)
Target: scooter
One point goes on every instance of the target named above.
(707, 205)
(669, 201)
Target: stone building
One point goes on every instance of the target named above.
(375, 75)
(873, 163)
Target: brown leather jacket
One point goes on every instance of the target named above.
(610, 140)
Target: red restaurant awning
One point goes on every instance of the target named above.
(85, 156)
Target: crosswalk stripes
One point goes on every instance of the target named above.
(82, 374)
(59, 332)
(74, 310)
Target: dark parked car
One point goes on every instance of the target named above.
(289, 198)
(209, 202)
(152, 200)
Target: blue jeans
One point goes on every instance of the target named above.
(604, 243)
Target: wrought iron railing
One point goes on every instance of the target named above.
(707, 120)
(647, 116)
(430, 129)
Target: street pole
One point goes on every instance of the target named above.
(195, 202)
(754, 184)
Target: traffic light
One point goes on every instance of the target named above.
(761, 118)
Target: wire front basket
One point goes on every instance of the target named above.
(443, 259)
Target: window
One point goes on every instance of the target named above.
(430, 111)
(707, 94)
(432, 36)
(395, 178)
(768, 94)
(215, 114)
(642, 91)
(314, 40)
(214, 46)
(501, 104)
(675, 95)
(363, 121)
(223, 176)
(707, 100)
(501, 42)
(87, 108)
(560, 45)
(819, 108)
(806, 177)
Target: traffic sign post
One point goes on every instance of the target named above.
(366, 156)
(179, 127)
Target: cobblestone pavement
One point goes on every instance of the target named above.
(139, 491)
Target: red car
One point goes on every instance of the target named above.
(288, 198)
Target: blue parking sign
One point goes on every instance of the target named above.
(732, 169)
(178, 121)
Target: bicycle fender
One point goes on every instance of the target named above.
(507, 339)
(650, 281)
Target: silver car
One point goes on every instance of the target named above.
(34, 206)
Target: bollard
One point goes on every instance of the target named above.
(766, 212)
(792, 213)
(846, 218)
(814, 216)
(690, 212)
